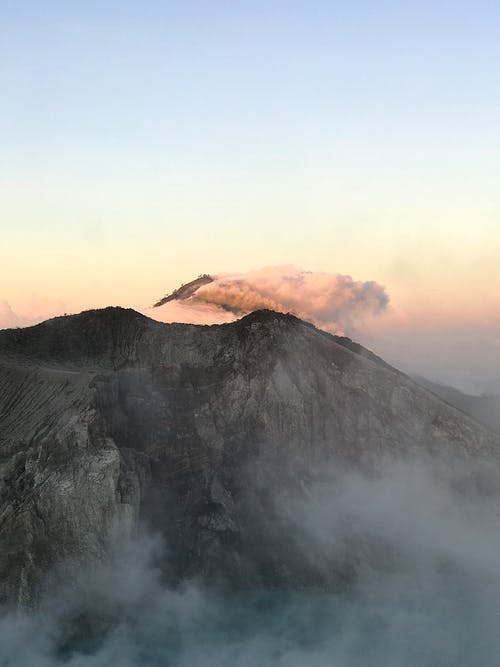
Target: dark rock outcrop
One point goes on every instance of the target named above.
(109, 417)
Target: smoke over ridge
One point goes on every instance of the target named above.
(332, 301)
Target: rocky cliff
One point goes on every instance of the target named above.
(109, 418)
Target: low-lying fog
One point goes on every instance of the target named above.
(423, 541)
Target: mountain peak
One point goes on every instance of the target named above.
(185, 291)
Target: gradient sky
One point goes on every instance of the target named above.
(145, 143)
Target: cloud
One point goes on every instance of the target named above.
(190, 312)
(31, 311)
(332, 301)
(8, 317)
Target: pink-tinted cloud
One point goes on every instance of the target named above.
(29, 312)
(332, 301)
(8, 318)
(190, 313)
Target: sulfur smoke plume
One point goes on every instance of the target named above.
(331, 301)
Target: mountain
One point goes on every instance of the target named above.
(185, 291)
(484, 408)
(200, 433)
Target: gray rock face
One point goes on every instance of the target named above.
(108, 417)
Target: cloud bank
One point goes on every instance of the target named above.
(331, 301)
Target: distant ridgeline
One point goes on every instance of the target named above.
(185, 291)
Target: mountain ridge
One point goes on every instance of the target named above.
(185, 291)
(196, 431)
(116, 315)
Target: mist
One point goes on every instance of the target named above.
(31, 311)
(421, 539)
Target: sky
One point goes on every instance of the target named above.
(145, 143)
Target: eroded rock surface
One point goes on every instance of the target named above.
(109, 417)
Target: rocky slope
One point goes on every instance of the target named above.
(108, 418)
